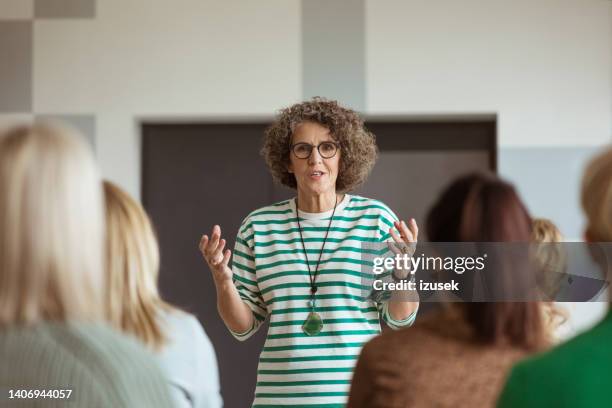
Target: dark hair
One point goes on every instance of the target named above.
(358, 145)
(480, 207)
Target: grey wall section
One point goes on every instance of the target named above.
(548, 180)
(64, 8)
(15, 66)
(86, 124)
(333, 51)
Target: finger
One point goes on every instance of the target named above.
(404, 241)
(217, 256)
(393, 247)
(395, 235)
(214, 240)
(204, 247)
(203, 242)
(226, 257)
(414, 228)
(406, 233)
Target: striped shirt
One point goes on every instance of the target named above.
(271, 275)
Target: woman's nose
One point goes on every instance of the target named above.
(315, 156)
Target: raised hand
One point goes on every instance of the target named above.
(214, 255)
(405, 243)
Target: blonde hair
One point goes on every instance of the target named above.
(551, 266)
(597, 196)
(132, 256)
(51, 227)
(544, 230)
(551, 256)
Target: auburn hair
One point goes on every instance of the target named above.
(480, 207)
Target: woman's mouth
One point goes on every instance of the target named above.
(316, 175)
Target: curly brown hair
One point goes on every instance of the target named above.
(358, 145)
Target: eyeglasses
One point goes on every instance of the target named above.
(327, 150)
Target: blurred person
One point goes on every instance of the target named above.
(551, 263)
(298, 262)
(576, 373)
(52, 336)
(458, 355)
(135, 306)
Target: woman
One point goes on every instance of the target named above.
(457, 356)
(551, 262)
(576, 373)
(298, 262)
(51, 282)
(550, 257)
(135, 307)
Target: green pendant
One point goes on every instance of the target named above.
(313, 324)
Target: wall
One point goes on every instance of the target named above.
(544, 67)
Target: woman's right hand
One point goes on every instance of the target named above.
(215, 257)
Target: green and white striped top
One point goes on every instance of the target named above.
(271, 275)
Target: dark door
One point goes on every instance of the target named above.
(200, 174)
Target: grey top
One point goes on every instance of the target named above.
(189, 362)
(100, 367)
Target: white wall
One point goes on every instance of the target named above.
(544, 66)
(160, 58)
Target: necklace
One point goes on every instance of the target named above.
(313, 323)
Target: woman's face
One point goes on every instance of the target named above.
(316, 174)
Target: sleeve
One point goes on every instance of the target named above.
(386, 218)
(245, 278)
(396, 324)
(208, 391)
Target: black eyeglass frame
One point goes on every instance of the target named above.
(292, 148)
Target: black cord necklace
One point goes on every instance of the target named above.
(313, 324)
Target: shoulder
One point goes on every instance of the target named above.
(95, 356)
(571, 369)
(279, 211)
(585, 352)
(184, 327)
(386, 352)
(99, 343)
(105, 348)
(359, 205)
(385, 345)
(443, 328)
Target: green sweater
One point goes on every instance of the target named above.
(575, 374)
(102, 368)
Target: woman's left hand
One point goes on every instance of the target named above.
(407, 239)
